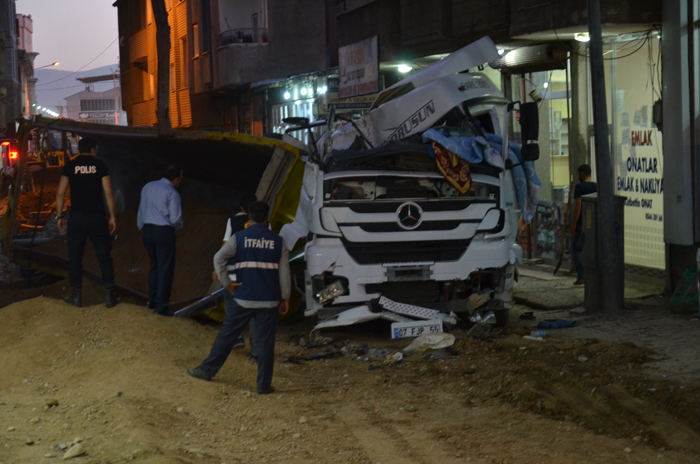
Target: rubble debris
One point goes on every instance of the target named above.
(378, 352)
(556, 324)
(75, 451)
(430, 342)
(352, 349)
(470, 370)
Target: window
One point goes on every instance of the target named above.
(195, 34)
(152, 89)
(95, 104)
(184, 68)
(173, 78)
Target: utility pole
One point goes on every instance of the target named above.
(606, 259)
(116, 107)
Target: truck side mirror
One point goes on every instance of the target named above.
(530, 131)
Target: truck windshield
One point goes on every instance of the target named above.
(397, 187)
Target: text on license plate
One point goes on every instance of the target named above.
(415, 329)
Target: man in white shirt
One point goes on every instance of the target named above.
(160, 213)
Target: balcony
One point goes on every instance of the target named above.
(240, 65)
(243, 36)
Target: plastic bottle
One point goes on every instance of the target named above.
(539, 333)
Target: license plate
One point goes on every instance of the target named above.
(415, 329)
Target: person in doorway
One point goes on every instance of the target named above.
(584, 187)
(262, 289)
(88, 178)
(160, 213)
(240, 221)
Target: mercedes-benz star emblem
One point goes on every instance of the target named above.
(410, 216)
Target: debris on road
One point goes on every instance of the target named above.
(75, 451)
(557, 324)
(430, 342)
(536, 339)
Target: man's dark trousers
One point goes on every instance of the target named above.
(160, 244)
(234, 324)
(229, 305)
(81, 226)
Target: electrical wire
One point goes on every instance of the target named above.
(60, 88)
(91, 61)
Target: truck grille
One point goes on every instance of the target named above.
(406, 252)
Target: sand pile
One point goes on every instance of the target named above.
(197, 242)
(113, 380)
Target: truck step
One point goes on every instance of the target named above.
(408, 310)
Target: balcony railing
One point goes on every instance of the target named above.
(243, 36)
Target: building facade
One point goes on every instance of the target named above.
(10, 88)
(218, 49)
(96, 107)
(26, 55)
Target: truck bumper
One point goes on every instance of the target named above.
(328, 256)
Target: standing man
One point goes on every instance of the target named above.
(160, 213)
(240, 221)
(88, 178)
(584, 187)
(262, 288)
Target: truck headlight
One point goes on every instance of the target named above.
(331, 291)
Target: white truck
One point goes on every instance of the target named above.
(386, 235)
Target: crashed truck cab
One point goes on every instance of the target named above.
(387, 236)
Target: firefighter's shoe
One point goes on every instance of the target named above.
(75, 298)
(111, 299)
(267, 391)
(199, 373)
(240, 343)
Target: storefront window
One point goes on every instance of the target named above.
(638, 155)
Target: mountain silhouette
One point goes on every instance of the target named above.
(54, 85)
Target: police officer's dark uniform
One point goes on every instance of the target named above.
(262, 270)
(87, 219)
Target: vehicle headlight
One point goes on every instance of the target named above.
(331, 291)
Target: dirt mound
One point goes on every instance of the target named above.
(115, 380)
(197, 242)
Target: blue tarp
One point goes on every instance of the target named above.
(477, 150)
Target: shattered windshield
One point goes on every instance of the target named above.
(403, 188)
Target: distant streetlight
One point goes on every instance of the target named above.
(55, 63)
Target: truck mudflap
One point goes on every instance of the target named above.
(392, 311)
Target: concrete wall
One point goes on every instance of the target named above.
(26, 28)
(10, 104)
(415, 28)
(296, 44)
(530, 16)
(237, 14)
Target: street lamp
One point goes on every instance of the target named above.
(55, 63)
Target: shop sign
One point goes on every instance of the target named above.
(92, 115)
(362, 102)
(359, 68)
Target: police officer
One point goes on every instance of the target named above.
(88, 178)
(262, 290)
